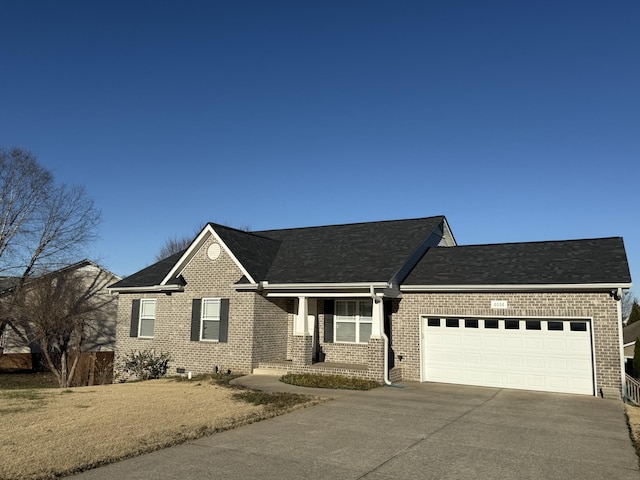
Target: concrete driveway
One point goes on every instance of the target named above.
(422, 431)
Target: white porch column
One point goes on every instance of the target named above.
(378, 318)
(301, 321)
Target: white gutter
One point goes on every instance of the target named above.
(514, 288)
(620, 343)
(309, 286)
(153, 288)
(316, 294)
(319, 286)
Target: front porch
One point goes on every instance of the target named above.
(318, 344)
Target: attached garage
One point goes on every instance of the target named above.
(539, 316)
(546, 354)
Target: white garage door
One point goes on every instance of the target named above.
(548, 355)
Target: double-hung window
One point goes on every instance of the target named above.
(147, 317)
(210, 319)
(353, 321)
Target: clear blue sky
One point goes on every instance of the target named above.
(519, 121)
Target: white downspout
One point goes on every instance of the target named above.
(620, 341)
(385, 366)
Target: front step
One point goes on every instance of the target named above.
(272, 372)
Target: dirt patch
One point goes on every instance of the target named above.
(52, 432)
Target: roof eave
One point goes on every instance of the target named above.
(309, 287)
(148, 289)
(515, 288)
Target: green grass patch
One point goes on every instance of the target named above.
(16, 401)
(26, 395)
(23, 380)
(328, 381)
(273, 401)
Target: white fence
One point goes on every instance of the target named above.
(632, 390)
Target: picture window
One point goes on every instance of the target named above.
(353, 321)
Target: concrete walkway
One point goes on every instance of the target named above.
(425, 431)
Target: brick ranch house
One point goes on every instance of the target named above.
(388, 301)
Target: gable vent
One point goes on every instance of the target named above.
(213, 251)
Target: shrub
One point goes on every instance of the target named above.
(328, 381)
(143, 365)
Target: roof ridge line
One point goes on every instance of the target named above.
(537, 241)
(348, 224)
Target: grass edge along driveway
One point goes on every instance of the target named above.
(51, 432)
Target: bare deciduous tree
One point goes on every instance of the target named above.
(172, 246)
(61, 312)
(43, 225)
(175, 244)
(628, 300)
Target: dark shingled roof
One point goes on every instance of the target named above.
(254, 252)
(360, 252)
(377, 251)
(150, 276)
(601, 260)
(630, 333)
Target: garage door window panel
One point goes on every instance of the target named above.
(578, 326)
(533, 325)
(491, 323)
(433, 322)
(511, 324)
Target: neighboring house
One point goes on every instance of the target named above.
(387, 301)
(17, 340)
(629, 335)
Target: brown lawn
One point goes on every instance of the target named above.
(50, 432)
(633, 414)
